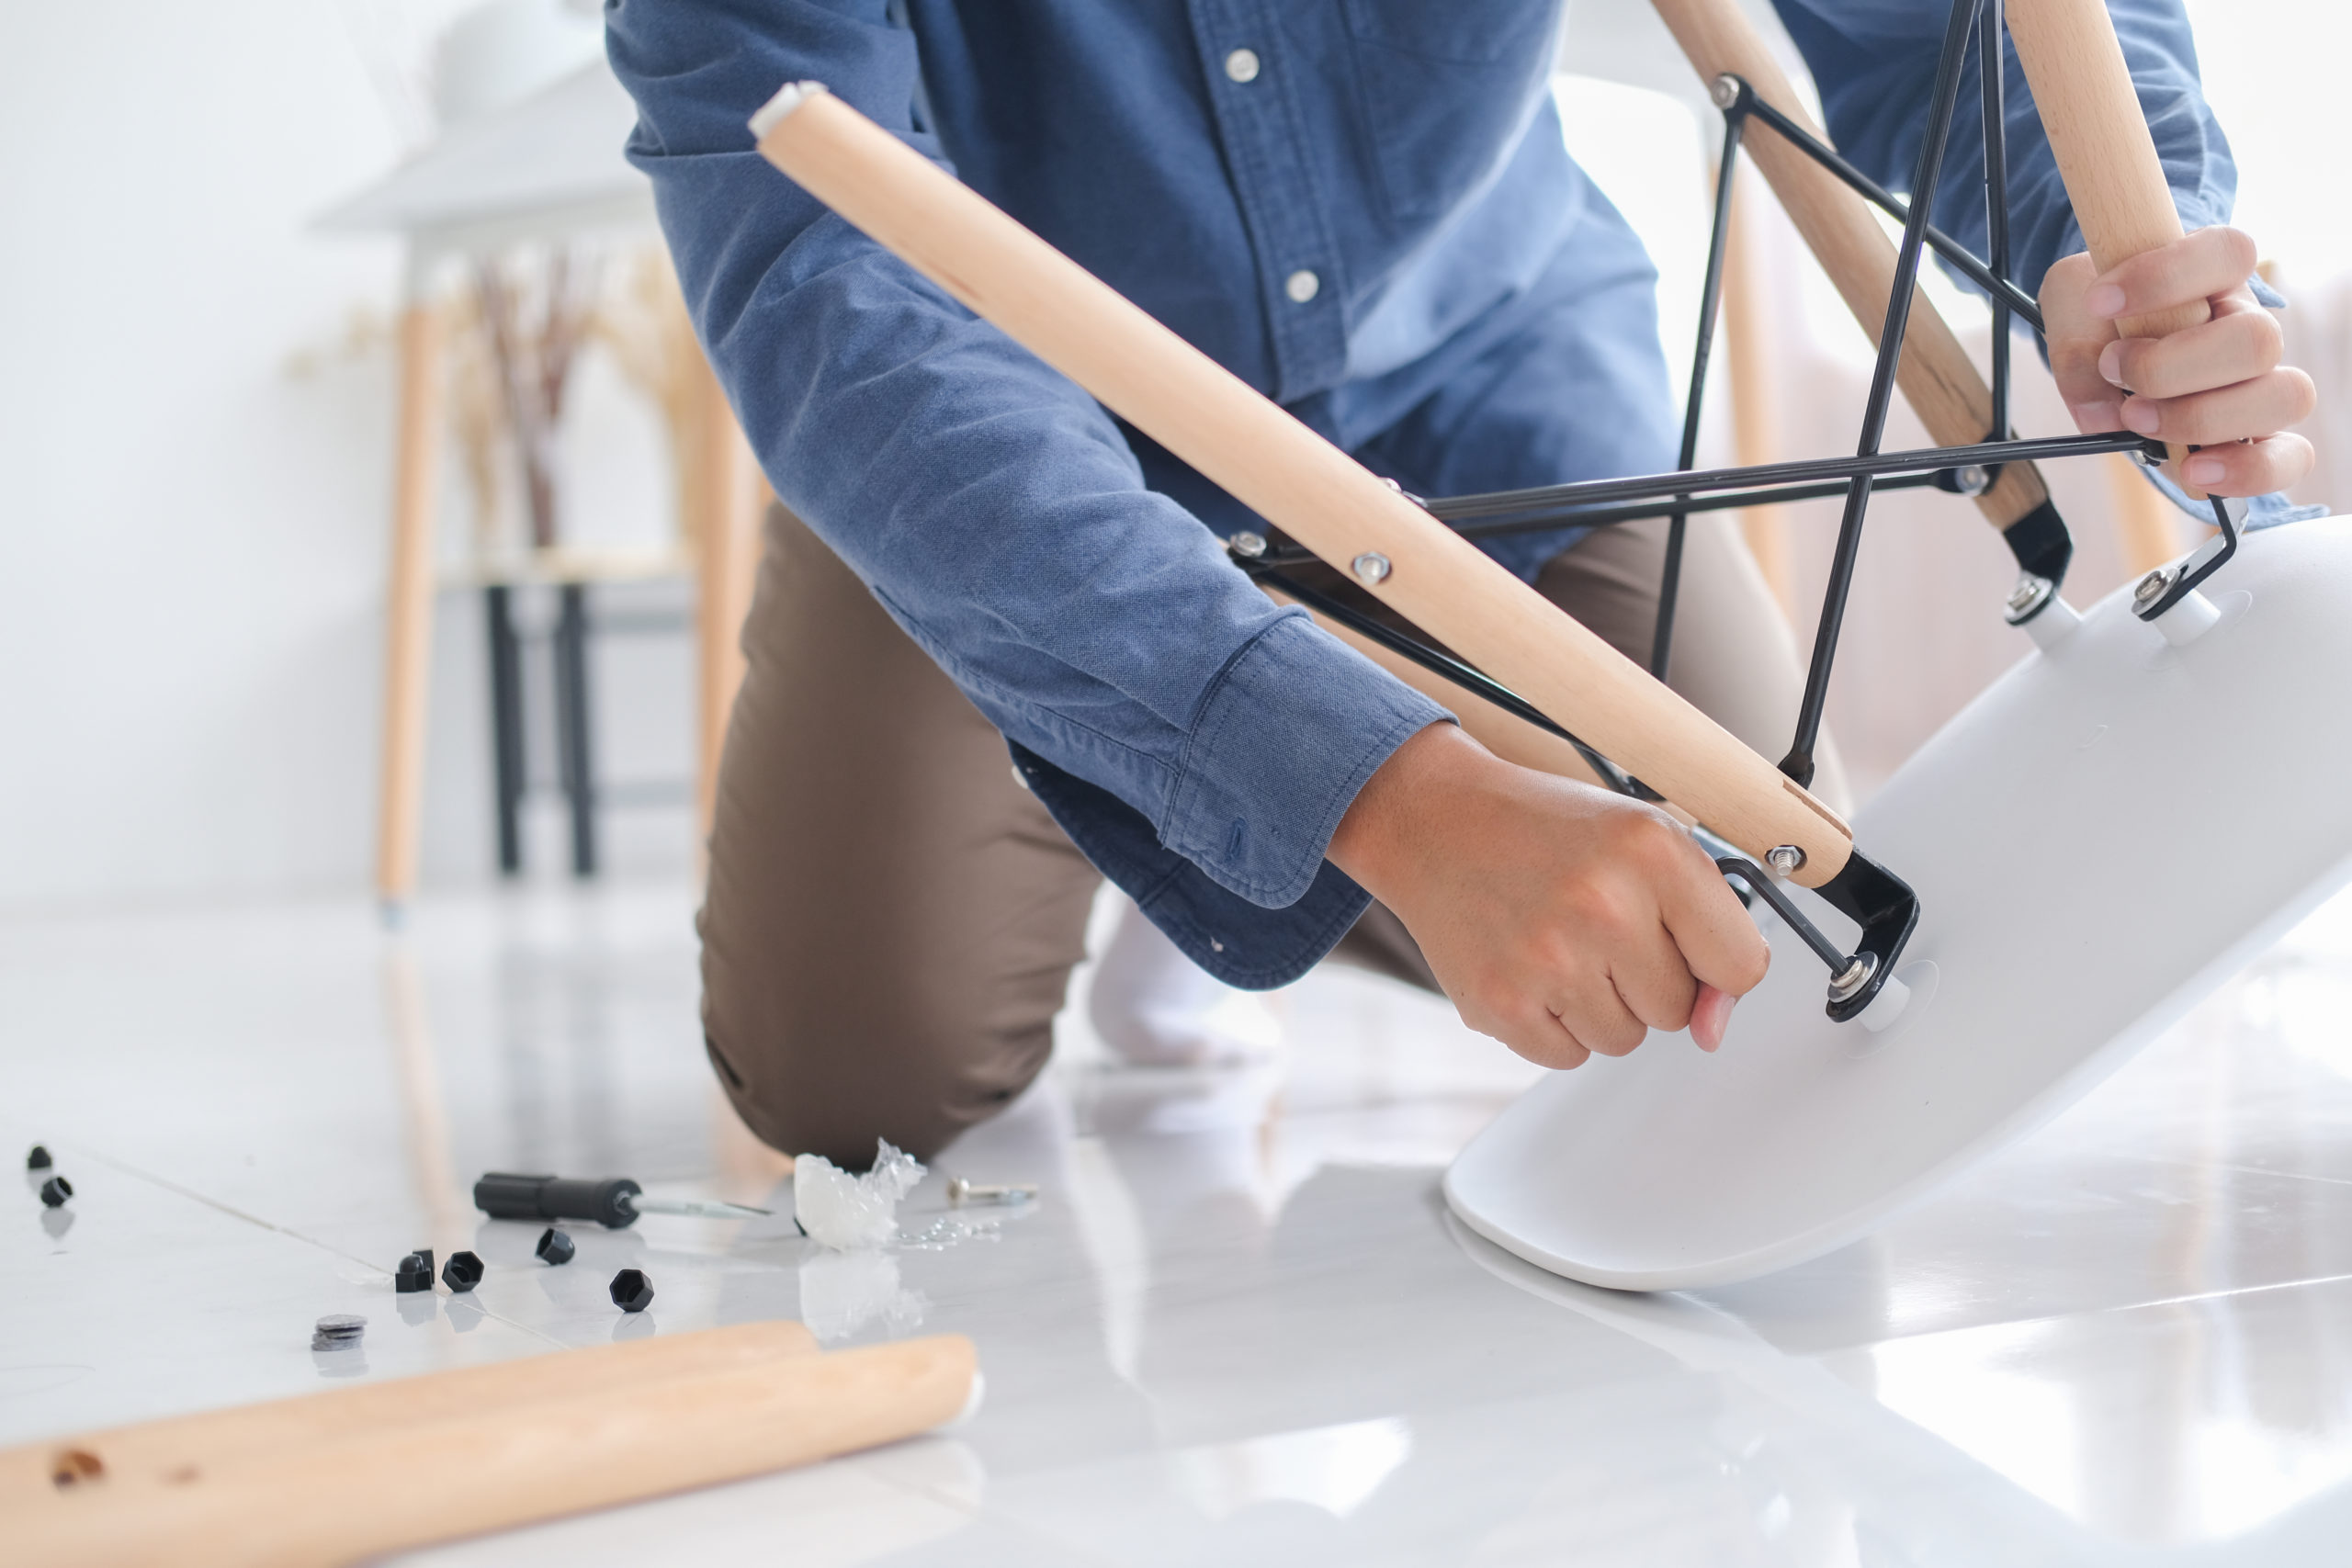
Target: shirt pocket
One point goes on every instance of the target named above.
(1443, 88)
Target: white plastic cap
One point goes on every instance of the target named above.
(789, 96)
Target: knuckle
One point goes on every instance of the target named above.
(1615, 1038)
(2302, 398)
(2269, 338)
(1750, 964)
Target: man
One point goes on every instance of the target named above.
(1364, 208)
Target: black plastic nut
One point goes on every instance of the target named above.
(38, 1159)
(555, 1248)
(632, 1291)
(462, 1272)
(55, 1190)
(414, 1274)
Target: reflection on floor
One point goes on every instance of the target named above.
(1239, 1327)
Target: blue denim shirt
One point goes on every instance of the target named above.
(1364, 208)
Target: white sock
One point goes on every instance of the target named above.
(1153, 1008)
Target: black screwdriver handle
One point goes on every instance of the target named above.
(503, 1195)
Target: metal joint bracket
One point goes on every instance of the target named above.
(1880, 902)
(2165, 586)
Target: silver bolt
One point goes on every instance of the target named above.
(1247, 544)
(960, 1192)
(1974, 479)
(1785, 859)
(1371, 567)
(1725, 91)
(1848, 982)
(2152, 587)
(2031, 593)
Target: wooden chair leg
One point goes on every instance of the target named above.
(2147, 527)
(409, 602)
(1756, 436)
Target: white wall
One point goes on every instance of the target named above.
(192, 537)
(192, 533)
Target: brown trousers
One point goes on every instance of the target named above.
(891, 920)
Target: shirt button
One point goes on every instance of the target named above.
(1241, 65)
(1301, 286)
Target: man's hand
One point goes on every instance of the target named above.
(1561, 920)
(2219, 386)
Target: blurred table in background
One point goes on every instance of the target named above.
(546, 169)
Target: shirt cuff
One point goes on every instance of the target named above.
(1288, 734)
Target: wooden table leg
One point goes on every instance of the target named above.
(729, 494)
(409, 601)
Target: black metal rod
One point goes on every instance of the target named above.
(1799, 763)
(1601, 517)
(572, 742)
(1728, 501)
(1667, 486)
(1968, 264)
(1991, 61)
(509, 762)
(1710, 295)
(1438, 662)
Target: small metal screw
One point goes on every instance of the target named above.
(2152, 587)
(1725, 91)
(1247, 544)
(1785, 859)
(1847, 982)
(1371, 567)
(1974, 479)
(960, 1192)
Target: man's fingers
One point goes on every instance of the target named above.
(1709, 1017)
(2210, 262)
(1719, 944)
(2251, 467)
(1589, 1008)
(2095, 402)
(2222, 352)
(2260, 406)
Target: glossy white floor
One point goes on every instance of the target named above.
(1238, 1327)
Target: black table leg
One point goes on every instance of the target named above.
(506, 725)
(571, 725)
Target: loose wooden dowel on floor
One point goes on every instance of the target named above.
(153, 1453)
(1291, 477)
(411, 1484)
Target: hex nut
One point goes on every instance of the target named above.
(632, 1291)
(38, 1159)
(555, 1248)
(415, 1273)
(55, 1190)
(462, 1272)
